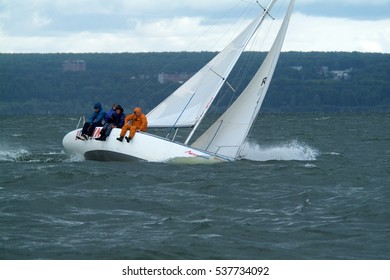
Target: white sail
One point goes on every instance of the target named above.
(226, 136)
(188, 104)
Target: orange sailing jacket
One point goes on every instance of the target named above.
(140, 122)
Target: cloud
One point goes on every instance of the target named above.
(351, 9)
(169, 25)
(39, 21)
(309, 33)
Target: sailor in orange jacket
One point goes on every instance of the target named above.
(133, 122)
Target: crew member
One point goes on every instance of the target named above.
(134, 122)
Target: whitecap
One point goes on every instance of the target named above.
(13, 155)
(333, 154)
(52, 153)
(292, 150)
(74, 158)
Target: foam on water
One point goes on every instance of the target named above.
(74, 158)
(13, 155)
(23, 155)
(292, 150)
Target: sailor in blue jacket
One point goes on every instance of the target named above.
(114, 119)
(96, 119)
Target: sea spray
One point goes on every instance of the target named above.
(23, 155)
(12, 154)
(292, 150)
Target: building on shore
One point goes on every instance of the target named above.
(173, 78)
(74, 65)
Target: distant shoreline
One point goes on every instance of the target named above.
(303, 82)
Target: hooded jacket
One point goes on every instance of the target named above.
(117, 119)
(97, 116)
(138, 121)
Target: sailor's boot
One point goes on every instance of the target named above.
(120, 139)
(101, 138)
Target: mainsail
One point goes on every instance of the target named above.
(188, 104)
(227, 135)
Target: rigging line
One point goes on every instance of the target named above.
(265, 10)
(214, 111)
(242, 69)
(230, 86)
(181, 113)
(212, 70)
(215, 134)
(244, 41)
(247, 63)
(223, 79)
(213, 25)
(235, 26)
(184, 53)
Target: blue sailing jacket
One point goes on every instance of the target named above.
(97, 116)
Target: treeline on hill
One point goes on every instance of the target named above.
(303, 81)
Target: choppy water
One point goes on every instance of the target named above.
(313, 187)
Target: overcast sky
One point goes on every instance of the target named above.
(57, 26)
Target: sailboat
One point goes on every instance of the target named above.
(187, 106)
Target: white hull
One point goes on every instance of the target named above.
(143, 146)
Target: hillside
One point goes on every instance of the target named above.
(303, 82)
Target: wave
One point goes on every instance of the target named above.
(23, 155)
(13, 155)
(292, 150)
(74, 158)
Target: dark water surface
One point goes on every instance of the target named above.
(314, 186)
